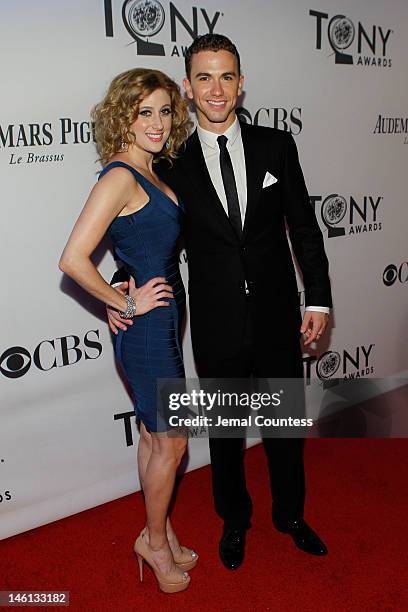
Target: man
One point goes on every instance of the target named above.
(239, 184)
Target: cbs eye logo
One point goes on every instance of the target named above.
(16, 361)
(392, 274)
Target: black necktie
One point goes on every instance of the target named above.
(228, 178)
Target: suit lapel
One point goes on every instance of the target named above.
(194, 161)
(255, 166)
(255, 171)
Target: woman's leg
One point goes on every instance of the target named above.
(158, 483)
(144, 452)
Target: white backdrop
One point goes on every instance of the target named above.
(64, 446)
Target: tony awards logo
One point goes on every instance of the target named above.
(341, 217)
(145, 19)
(354, 362)
(328, 365)
(342, 33)
(334, 208)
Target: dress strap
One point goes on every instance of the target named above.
(145, 183)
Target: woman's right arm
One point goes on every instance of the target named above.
(107, 199)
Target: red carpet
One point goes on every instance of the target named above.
(357, 501)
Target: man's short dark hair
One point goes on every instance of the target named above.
(210, 42)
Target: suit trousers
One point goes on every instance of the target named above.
(284, 455)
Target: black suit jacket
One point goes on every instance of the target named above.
(220, 262)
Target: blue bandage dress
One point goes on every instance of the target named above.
(146, 242)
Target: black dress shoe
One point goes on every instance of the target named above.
(232, 548)
(303, 536)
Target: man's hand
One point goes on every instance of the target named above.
(313, 326)
(114, 320)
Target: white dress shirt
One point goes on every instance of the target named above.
(211, 152)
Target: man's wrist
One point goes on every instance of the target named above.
(324, 309)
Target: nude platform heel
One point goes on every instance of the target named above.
(168, 583)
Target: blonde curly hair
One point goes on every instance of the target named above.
(114, 115)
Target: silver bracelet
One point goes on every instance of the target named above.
(131, 308)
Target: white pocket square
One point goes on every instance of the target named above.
(269, 180)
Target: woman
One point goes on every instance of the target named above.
(142, 118)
